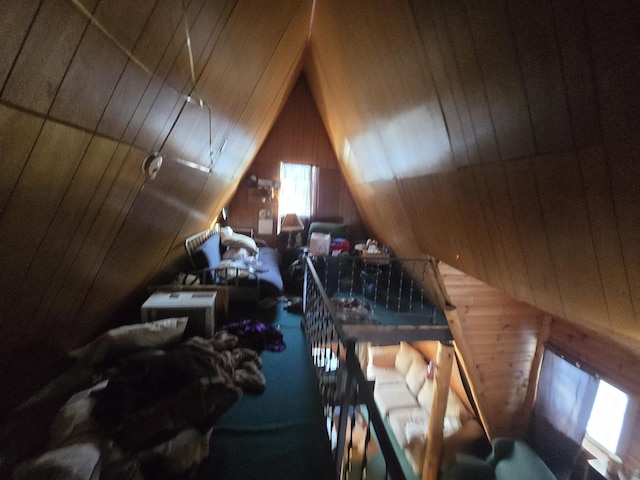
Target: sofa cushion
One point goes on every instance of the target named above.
(384, 375)
(393, 395)
(425, 394)
(408, 423)
(405, 357)
(416, 375)
(455, 407)
(229, 238)
(400, 418)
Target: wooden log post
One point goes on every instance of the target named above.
(536, 365)
(469, 370)
(435, 435)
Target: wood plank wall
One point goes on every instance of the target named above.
(83, 232)
(297, 136)
(497, 337)
(534, 193)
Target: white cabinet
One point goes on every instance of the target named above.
(199, 306)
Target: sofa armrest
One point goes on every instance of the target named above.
(513, 458)
(468, 467)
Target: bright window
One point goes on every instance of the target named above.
(297, 189)
(607, 416)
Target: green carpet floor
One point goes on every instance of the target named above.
(281, 433)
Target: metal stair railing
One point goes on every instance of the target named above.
(352, 416)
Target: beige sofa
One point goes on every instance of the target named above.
(403, 391)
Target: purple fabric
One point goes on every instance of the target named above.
(257, 336)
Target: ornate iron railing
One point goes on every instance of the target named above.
(354, 423)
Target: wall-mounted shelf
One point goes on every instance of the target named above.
(262, 190)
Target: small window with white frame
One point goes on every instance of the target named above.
(611, 421)
(298, 190)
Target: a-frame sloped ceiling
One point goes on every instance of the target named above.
(88, 88)
(499, 136)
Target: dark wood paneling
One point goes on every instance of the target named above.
(531, 230)
(18, 133)
(537, 47)
(35, 201)
(65, 221)
(89, 82)
(625, 172)
(508, 236)
(529, 79)
(573, 45)
(15, 20)
(87, 239)
(471, 46)
(37, 72)
(606, 240)
(447, 81)
(408, 92)
(614, 36)
(501, 79)
(297, 136)
(76, 208)
(569, 233)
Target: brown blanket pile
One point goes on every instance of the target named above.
(151, 415)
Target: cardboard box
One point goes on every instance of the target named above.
(320, 243)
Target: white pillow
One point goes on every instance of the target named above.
(455, 407)
(225, 234)
(235, 253)
(425, 395)
(452, 424)
(405, 357)
(130, 338)
(229, 238)
(416, 375)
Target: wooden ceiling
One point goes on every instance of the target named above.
(502, 137)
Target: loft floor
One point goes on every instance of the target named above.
(280, 433)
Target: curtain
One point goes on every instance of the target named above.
(561, 411)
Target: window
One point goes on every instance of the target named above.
(298, 186)
(584, 410)
(607, 418)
